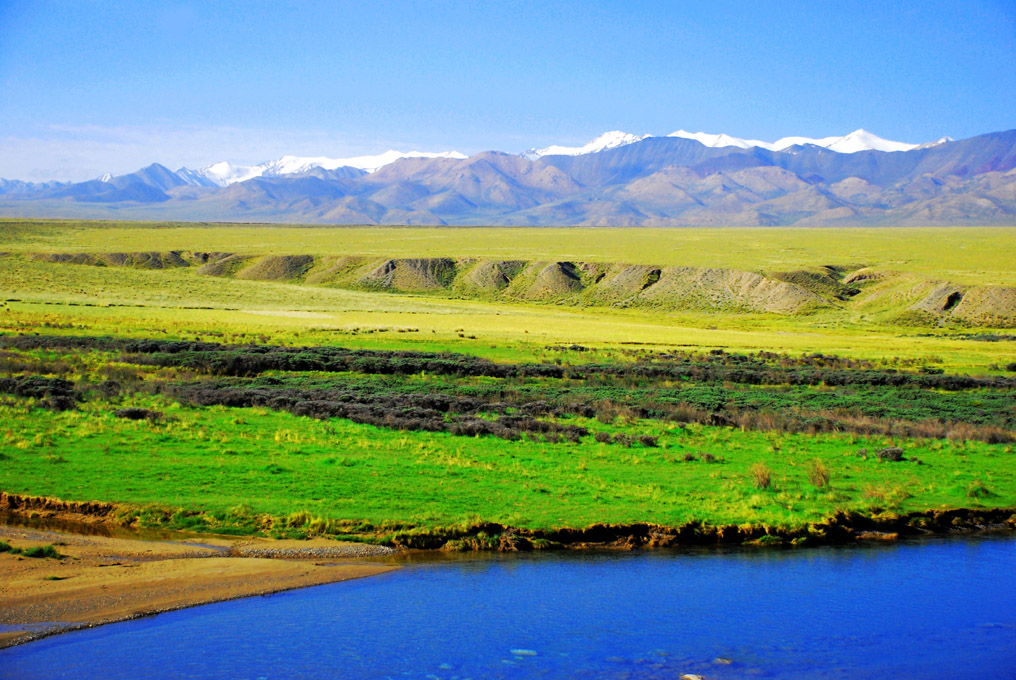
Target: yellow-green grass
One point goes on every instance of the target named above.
(214, 459)
(278, 313)
(180, 302)
(968, 255)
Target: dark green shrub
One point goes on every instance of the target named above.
(624, 439)
(41, 551)
(134, 413)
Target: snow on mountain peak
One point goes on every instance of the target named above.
(224, 173)
(862, 140)
(858, 140)
(937, 142)
(288, 165)
(608, 140)
(716, 140)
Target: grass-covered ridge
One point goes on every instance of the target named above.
(838, 294)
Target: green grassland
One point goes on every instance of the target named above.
(221, 460)
(712, 424)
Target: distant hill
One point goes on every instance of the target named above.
(683, 179)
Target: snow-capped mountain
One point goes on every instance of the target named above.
(937, 142)
(225, 173)
(689, 179)
(720, 140)
(196, 178)
(608, 140)
(288, 165)
(858, 140)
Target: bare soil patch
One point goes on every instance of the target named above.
(102, 579)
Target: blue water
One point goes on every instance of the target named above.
(939, 609)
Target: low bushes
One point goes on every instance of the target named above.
(891, 453)
(134, 413)
(762, 368)
(402, 411)
(53, 393)
(761, 391)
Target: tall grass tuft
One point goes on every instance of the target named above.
(886, 494)
(979, 490)
(818, 474)
(761, 476)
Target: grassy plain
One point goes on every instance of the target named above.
(967, 254)
(235, 463)
(222, 467)
(180, 303)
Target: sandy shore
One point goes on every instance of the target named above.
(103, 580)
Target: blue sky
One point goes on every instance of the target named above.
(90, 87)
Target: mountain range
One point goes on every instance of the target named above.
(618, 179)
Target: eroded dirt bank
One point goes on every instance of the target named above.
(103, 579)
(840, 527)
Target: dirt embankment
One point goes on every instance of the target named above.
(79, 511)
(841, 527)
(579, 283)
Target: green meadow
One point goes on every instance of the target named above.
(233, 464)
(437, 405)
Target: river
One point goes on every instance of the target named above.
(942, 609)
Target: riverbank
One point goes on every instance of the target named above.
(103, 579)
(838, 528)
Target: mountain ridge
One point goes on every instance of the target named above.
(651, 181)
(224, 172)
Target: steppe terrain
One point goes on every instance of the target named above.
(511, 389)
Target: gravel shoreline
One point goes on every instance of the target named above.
(103, 580)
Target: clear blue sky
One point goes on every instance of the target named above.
(87, 87)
